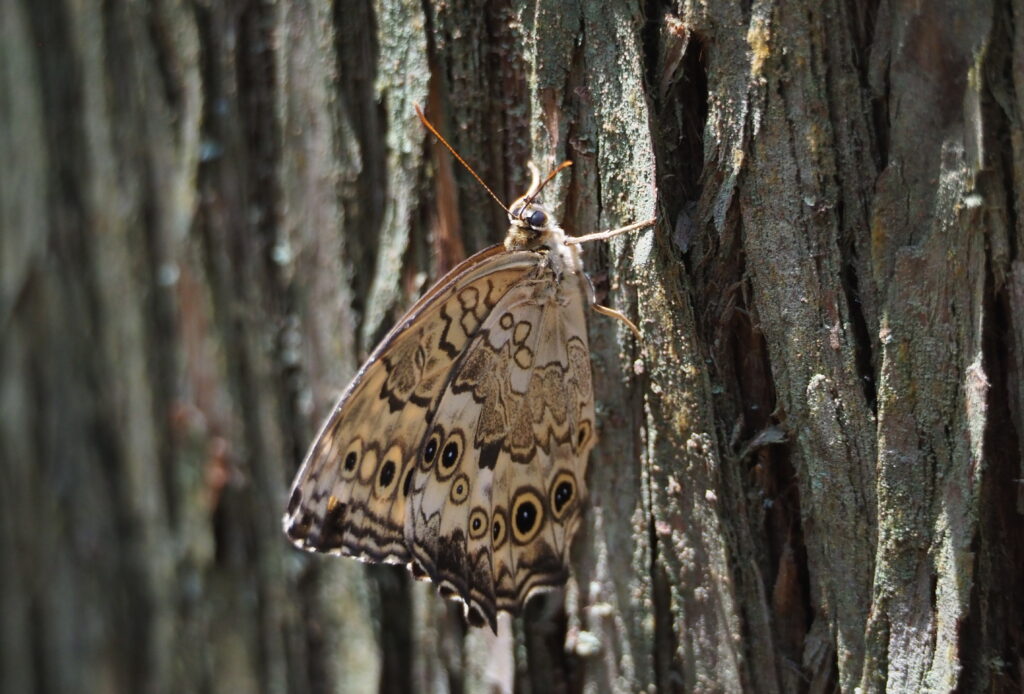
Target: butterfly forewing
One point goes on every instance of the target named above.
(496, 494)
(349, 497)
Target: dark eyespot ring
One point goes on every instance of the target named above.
(537, 219)
(407, 485)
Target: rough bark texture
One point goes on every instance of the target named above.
(809, 474)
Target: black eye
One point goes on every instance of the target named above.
(562, 495)
(526, 515)
(350, 461)
(538, 218)
(476, 524)
(387, 473)
(430, 450)
(450, 454)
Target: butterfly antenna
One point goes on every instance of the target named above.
(440, 137)
(535, 191)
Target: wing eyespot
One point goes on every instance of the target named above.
(499, 529)
(387, 473)
(350, 463)
(460, 489)
(527, 516)
(563, 494)
(430, 450)
(451, 455)
(386, 476)
(477, 523)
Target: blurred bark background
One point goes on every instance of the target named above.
(809, 477)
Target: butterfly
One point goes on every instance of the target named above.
(461, 446)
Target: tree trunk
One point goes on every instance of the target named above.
(809, 471)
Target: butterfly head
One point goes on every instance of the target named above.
(529, 214)
(530, 225)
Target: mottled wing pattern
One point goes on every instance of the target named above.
(498, 489)
(350, 494)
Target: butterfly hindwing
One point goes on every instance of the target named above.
(349, 496)
(497, 492)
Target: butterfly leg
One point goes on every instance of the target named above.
(618, 315)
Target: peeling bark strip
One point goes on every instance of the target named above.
(807, 477)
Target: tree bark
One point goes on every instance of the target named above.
(809, 470)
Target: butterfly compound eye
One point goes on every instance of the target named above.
(537, 219)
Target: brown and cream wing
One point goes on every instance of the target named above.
(497, 492)
(349, 495)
